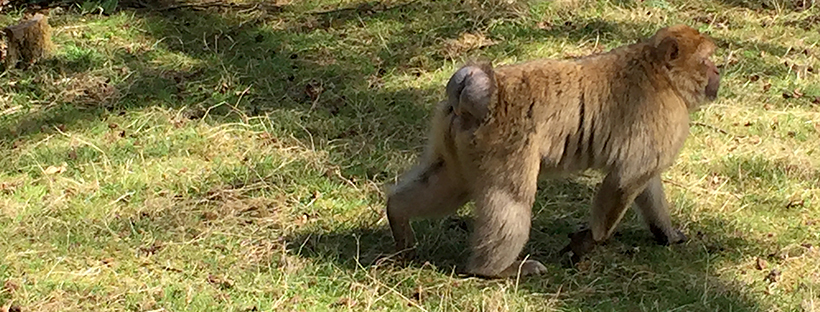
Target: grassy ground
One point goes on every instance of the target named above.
(233, 159)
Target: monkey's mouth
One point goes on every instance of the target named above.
(711, 93)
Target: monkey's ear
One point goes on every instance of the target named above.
(667, 50)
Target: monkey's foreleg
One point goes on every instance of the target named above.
(654, 208)
(427, 191)
(616, 194)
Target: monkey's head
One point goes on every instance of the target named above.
(685, 53)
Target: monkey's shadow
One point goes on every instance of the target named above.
(560, 209)
(675, 275)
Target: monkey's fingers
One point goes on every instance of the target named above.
(581, 243)
(519, 268)
(532, 267)
(677, 237)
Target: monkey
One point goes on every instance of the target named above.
(624, 112)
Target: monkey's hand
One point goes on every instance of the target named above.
(525, 268)
(517, 268)
(675, 236)
(580, 244)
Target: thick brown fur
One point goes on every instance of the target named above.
(624, 112)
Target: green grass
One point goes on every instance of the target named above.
(182, 160)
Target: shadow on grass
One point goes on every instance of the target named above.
(628, 273)
(792, 5)
(331, 67)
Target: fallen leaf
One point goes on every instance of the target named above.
(754, 139)
(51, 170)
(795, 203)
(221, 282)
(11, 286)
(761, 264)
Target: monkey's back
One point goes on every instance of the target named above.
(586, 113)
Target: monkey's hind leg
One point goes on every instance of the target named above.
(654, 208)
(502, 225)
(428, 191)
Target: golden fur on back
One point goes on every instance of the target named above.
(585, 111)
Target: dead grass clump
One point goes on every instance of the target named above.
(89, 90)
(465, 43)
(261, 252)
(569, 7)
(481, 12)
(249, 208)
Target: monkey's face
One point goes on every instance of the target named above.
(713, 84)
(685, 54)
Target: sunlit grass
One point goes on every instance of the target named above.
(235, 160)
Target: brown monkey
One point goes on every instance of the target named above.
(624, 112)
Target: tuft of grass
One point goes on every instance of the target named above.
(209, 157)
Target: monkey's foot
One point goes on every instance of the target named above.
(525, 268)
(674, 236)
(407, 253)
(580, 243)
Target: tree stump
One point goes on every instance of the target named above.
(27, 41)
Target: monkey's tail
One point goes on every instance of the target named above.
(470, 89)
(468, 97)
